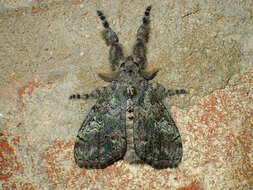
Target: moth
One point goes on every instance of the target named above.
(128, 120)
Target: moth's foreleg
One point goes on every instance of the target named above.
(111, 39)
(172, 92)
(143, 31)
(79, 96)
(162, 92)
(139, 49)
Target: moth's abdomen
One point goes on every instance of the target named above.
(130, 155)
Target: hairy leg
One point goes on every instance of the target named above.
(111, 39)
(139, 49)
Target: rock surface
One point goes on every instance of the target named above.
(51, 49)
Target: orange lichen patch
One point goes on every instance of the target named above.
(78, 2)
(212, 115)
(27, 186)
(16, 140)
(244, 78)
(223, 133)
(9, 186)
(30, 85)
(245, 140)
(17, 185)
(193, 186)
(35, 9)
(50, 84)
(54, 157)
(8, 161)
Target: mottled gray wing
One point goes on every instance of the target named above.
(156, 137)
(101, 140)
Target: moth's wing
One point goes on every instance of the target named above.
(156, 137)
(101, 140)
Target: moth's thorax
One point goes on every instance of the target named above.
(131, 89)
(130, 156)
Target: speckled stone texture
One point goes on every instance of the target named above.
(52, 49)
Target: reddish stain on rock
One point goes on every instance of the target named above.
(27, 186)
(17, 186)
(35, 10)
(30, 85)
(212, 115)
(78, 2)
(245, 140)
(53, 160)
(16, 140)
(8, 161)
(9, 186)
(193, 186)
(50, 84)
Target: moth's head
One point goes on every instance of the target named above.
(129, 66)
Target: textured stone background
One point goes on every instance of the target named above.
(51, 49)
